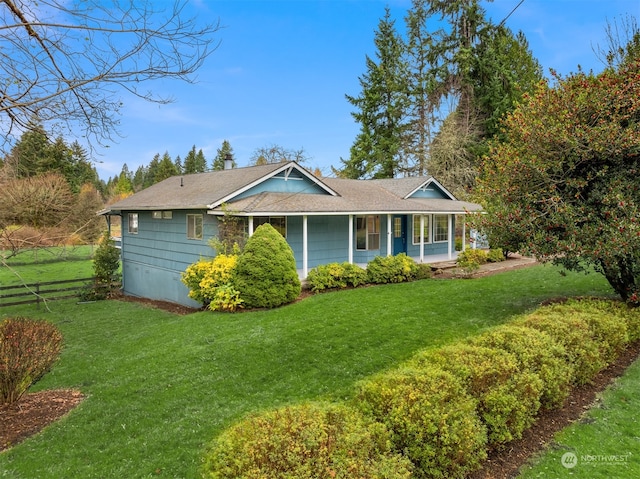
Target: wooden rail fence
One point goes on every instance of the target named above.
(42, 291)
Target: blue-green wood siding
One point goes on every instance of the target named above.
(154, 258)
(431, 191)
(295, 183)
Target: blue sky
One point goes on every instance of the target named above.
(283, 67)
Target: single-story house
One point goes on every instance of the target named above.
(166, 227)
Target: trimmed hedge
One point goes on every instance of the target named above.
(335, 276)
(431, 419)
(508, 397)
(307, 441)
(441, 410)
(582, 351)
(537, 353)
(391, 269)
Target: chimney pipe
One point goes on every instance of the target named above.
(228, 161)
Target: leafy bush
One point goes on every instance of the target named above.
(478, 256)
(424, 271)
(309, 441)
(226, 298)
(28, 349)
(106, 262)
(508, 398)
(431, 418)
(266, 273)
(336, 276)
(572, 331)
(606, 322)
(391, 269)
(209, 282)
(538, 353)
(495, 255)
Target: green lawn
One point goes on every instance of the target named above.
(50, 264)
(159, 386)
(605, 444)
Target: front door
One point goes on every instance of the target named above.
(399, 226)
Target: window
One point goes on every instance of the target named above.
(416, 229)
(368, 232)
(194, 227)
(162, 215)
(133, 223)
(440, 228)
(397, 227)
(278, 222)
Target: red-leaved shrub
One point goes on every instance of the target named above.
(28, 348)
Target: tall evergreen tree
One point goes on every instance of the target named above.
(28, 152)
(195, 162)
(166, 168)
(421, 81)
(380, 108)
(221, 154)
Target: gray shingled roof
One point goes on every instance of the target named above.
(194, 191)
(198, 191)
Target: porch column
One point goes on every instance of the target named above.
(250, 226)
(389, 237)
(350, 249)
(464, 233)
(422, 238)
(305, 255)
(450, 235)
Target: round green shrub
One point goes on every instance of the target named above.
(307, 441)
(424, 271)
(265, 273)
(508, 397)
(391, 269)
(495, 255)
(538, 353)
(469, 255)
(431, 418)
(582, 352)
(336, 276)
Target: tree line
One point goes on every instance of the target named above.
(434, 94)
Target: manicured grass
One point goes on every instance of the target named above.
(159, 386)
(50, 264)
(604, 444)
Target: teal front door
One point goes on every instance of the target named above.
(399, 234)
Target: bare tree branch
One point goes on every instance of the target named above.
(65, 63)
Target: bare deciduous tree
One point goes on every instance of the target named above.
(64, 63)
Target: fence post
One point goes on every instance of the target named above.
(38, 295)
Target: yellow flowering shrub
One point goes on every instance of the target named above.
(208, 282)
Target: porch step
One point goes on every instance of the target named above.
(443, 265)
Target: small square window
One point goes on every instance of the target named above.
(156, 215)
(194, 227)
(167, 215)
(133, 223)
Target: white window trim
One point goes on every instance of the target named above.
(368, 233)
(195, 237)
(130, 222)
(428, 218)
(446, 240)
